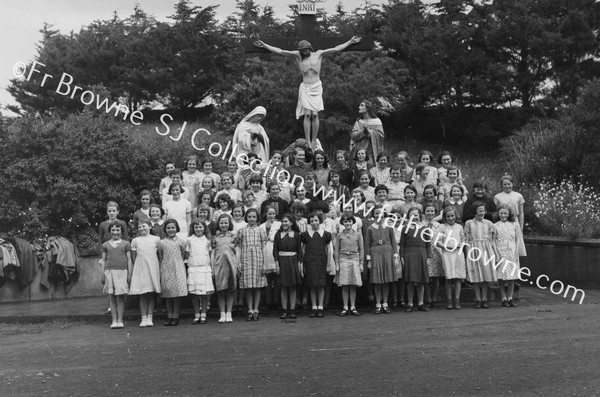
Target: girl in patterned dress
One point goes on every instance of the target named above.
(249, 249)
(316, 244)
(453, 258)
(509, 247)
(480, 233)
(511, 198)
(381, 173)
(224, 266)
(199, 281)
(271, 227)
(145, 280)
(191, 178)
(349, 251)
(173, 282)
(434, 264)
(287, 253)
(320, 167)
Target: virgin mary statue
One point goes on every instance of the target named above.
(250, 136)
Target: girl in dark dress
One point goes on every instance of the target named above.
(287, 252)
(316, 241)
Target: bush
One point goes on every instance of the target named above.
(567, 209)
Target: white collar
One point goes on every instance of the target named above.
(311, 232)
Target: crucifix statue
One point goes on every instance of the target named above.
(310, 93)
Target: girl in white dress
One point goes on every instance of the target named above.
(453, 259)
(199, 280)
(145, 278)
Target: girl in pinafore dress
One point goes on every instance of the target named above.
(200, 283)
(316, 244)
(381, 254)
(349, 251)
(434, 264)
(480, 254)
(271, 227)
(145, 280)
(287, 253)
(415, 251)
(249, 249)
(509, 247)
(224, 266)
(173, 283)
(453, 258)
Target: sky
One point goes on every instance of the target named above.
(21, 21)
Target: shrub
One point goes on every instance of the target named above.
(567, 209)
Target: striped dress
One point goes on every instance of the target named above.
(480, 251)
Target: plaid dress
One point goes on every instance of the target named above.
(251, 240)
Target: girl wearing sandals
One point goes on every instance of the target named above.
(200, 284)
(348, 246)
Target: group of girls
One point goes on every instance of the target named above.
(245, 237)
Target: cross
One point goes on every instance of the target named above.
(308, 17)
(310, 100)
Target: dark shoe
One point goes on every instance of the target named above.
(422, 308)
(175, 322)
(485, 305)
(511, 303)
(284, 316)
(432, 305)
(255, 316)
(378, 310)
(305, 306)
(457, 305)
(250, 317)
(449, 305)
(196, 320)
(354, 312)
(409, 308)
(343, 313)
(402, 305)
(477, 304)
(395, 304)
(504, 303)
(386, 310)
(313, 313)
(292, 314)
(167, 322)
(320, 313)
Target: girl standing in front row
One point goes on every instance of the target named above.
(173, 283)
(200, 283)
(249, 249)
(316, 243)
(145, 279)
(415, 251)
(116, 272)
(271, 227)
(509, 246)
(453, 258)
(224, 266)
(287, 252)
(349, 250)
(480, 233)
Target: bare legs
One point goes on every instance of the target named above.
(349, 296)
(253, 299)
(311, 125)
(411, 293)
(481, 294)
(285, 292)
(317, 294)
(117, 307)
(381, 294)
(173, 307)
(146, 308)
(225, 299)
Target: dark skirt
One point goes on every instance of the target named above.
(289, 274)
(315, 270)
(382, 265)
(415, 265)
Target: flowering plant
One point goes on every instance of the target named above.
(568, 208)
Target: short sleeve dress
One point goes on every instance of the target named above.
(173, 281)
(510, 246)
(225, 265)
(178, 210)
(251, 240)
(287, 251)
(199, 281)
(512, 199)
(480, 252)
(315, 256)
(145, 277)
(453, 259)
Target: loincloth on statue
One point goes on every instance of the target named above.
(310, 99)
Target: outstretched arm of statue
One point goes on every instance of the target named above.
(276, 50)
(343, 46)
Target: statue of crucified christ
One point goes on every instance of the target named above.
(310, 93)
